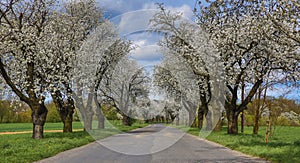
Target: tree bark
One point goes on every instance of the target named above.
(209, 120)
(177, 120)
(218, 125)
(232, 123)
(89, 113)
(68, 116)
(200, 118)
(100, 117)
(99, 113)
(242, 121)
(65, 110)
(88, 120)
(242, 98)
(202, 112)
(191, 108)
(192, 119)
(256, 122)
(257, 113)
(39, 115)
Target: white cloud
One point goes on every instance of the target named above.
(147, 53)
(134, 21)
(140, 43)
(148, 38)
(149, 6)
(121, 6)
(185, 9)
(148, 63)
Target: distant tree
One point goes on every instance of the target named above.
(98, 56)
(124, 86)
(53, 114)
(177, 80)
(4, 110)
(188, 41)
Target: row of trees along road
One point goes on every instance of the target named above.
(50, 48)
(253, 40)
(44, 49)
(187, 42)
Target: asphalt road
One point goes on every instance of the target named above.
(155, 143)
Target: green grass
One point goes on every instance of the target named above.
(12, 127)
(22, 148)
(283, 146)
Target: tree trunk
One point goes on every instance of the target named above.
(191, 108)
(68, 117)
(88, 121)
(99, 113)
(192, 119)
(256, 122)
(257, 113)
(200, 118)
(126, 120)
(243, 99)
(177, 120)
(68, 127)
(209, 120)
(232, 123)
(100, 117)
(218, 125)
(242, 122)
(39, 115)
(202, 112)
(89, 113)
(65, 110)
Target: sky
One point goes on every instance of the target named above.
(132, 19)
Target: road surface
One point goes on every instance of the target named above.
(155, 143)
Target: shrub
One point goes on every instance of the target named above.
(282, 121)
(53, 115)
(24, 117)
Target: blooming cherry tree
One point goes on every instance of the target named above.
(22, 27)
(189, 42)
(178, 81)
(125, 86)
(250, 46)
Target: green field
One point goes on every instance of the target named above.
(13, 127)
(22, 148)
(17, 127)
(283, 146)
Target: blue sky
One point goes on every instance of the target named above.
(117, 7)
(132, 18)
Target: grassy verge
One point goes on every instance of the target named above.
(21, 148)
(283, 146)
